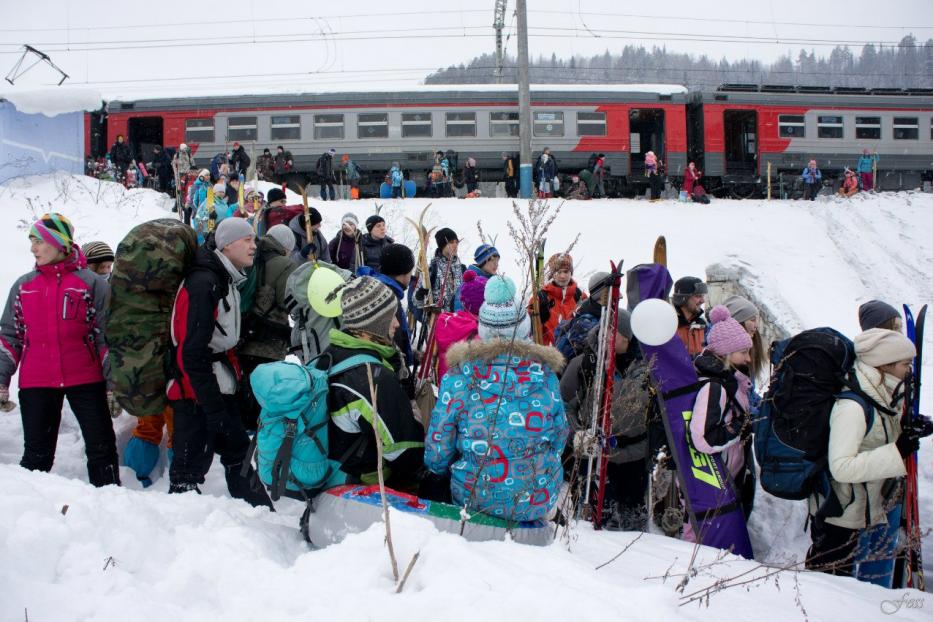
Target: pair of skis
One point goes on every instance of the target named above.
(601, 415)
(908, 567)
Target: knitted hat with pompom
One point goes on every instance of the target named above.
(501, 316)
(472, 292)
(726, 336)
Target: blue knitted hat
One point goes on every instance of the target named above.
(501, 316)
(482, 254)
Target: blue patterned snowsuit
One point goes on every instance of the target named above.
(499, 419)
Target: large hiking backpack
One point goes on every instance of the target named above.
(291, 443)
(151, 262)
(311, 332)
(570, 335)
(811, 371)
(281, 215)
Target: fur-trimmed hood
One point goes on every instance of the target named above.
(488, 350)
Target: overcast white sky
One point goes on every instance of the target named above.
(135, 48)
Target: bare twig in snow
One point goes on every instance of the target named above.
(622, 552)
(377, 423)
(411, 564)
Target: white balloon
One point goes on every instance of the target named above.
(654, 322)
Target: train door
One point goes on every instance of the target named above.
(740, 129)
(646, 133)
(143, 134)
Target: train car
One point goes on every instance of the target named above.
(738, 130)
(376, 128)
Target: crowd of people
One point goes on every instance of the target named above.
(170, 169)
(511, 411)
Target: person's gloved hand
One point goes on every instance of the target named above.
(141, 456)
(909, 440)
(421, 293)
(115, 409)
(921, 426)
(5, 404)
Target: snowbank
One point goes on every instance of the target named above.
(131, 552)
(54, 101)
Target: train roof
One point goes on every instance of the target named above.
(426, 93)
(828, 97)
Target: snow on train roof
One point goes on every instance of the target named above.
(53, 101)
(294, 88)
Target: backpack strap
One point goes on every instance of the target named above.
(281, 470)
(686, 389)
(868, 405)
(354, 361)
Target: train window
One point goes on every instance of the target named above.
(328, 126)
(372, 125)
(503, 124)
(906, 128)
(199, 130)
(829, 126)
(868, 128)
(548, 123)
(591, 124)
(791, 126)
(241, 128)
(461, 124)
(416, 124)
(285, 127)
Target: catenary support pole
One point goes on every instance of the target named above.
(524, 102)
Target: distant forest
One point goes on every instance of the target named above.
(906, 65)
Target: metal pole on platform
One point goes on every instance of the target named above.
(524, 103)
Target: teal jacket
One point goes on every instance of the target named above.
(866, 162)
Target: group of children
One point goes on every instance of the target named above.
(511, 410)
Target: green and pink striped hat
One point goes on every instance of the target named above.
(54, 229)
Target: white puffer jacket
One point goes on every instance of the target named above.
(861, 461)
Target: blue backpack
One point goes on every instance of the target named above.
(291, 443)
(811, 371)
(570, 335)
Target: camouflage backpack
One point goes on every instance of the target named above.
(151, 262)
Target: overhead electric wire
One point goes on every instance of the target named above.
(420, 70)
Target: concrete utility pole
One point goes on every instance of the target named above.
(499, 23)
(524, 103)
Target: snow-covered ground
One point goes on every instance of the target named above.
(116, 554)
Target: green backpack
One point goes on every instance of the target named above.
(151, 263)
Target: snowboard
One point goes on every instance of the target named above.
(713, 505)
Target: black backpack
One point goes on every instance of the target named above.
(811, 371)
(591, 163)
(452, 161)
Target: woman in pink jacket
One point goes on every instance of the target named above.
(720, 423)
(51, 330)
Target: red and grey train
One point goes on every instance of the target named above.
(732, 133)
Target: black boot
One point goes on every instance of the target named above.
(247, 487)
(180, 488)
(103, 474)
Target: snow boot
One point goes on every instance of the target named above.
(243, 483)
(182, 488)
(103, 474)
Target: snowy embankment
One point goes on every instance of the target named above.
(115, 554)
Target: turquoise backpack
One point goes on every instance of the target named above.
(291, 443)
